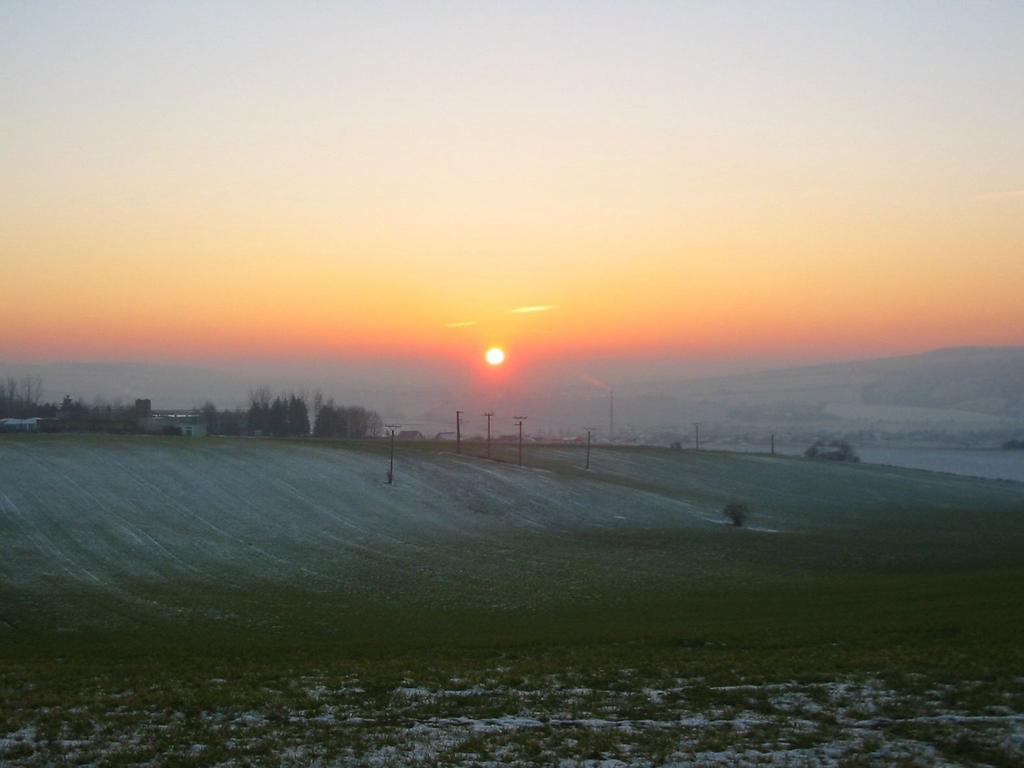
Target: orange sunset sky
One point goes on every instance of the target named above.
(361, 180)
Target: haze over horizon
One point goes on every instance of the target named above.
(598, 189)
(951, 396)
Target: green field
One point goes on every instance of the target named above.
(167, 601)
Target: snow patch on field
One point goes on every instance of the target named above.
(806, 724)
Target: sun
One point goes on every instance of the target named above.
(495, 356)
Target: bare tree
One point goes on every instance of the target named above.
(8, 396)
(31, 390)
(374, 424)
(260, 396)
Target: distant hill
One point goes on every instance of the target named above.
(981, 380)
(959, 388)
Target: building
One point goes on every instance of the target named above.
(189, 422)
(410, 434)
(20, 425)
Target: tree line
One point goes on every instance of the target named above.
(285, 415)
(346, 421)
(288, 414)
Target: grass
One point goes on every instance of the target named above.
(870, 595)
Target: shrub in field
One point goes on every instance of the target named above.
(833, 450)
(735, 513)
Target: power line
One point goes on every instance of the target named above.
(489, 414)
(611, 414)
(519, 421)
(391, 464)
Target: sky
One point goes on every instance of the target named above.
(636, 183)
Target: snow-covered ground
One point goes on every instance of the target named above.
(97, 511)
(102, 512)
(248, 539)
(993, 464)
(308, 721)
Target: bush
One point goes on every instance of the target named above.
(833, 450)
(735, 513)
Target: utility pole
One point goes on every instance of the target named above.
(391, 464)
(611, 415)
(488, 415)
(519, 420)
(696, 435)
(590, 431)
(458, 431)
(773, 443)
